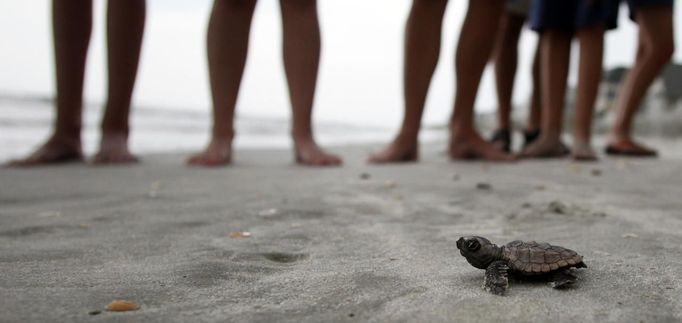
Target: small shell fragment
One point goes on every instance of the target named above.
(122, 306)
(268, 212)
(390, 184)
(240, 234)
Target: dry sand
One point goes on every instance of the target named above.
(357, 243)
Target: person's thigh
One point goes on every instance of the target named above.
(635, 5)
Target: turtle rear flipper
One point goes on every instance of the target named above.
(496, 280)
(563, 279)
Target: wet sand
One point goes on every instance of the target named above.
(358, 243)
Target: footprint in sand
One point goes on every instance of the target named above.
(284, 258)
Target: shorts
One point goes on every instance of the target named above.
(573, 15)
(519, 8)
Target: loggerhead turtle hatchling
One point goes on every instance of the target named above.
(520, 258)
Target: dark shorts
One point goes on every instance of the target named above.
(635, 4)
(573, 15)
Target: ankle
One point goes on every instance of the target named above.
(115, 128)
(66, 138)
(462, 132)
(222, 135)
(581, 139)
(406, 138)
(305, 138)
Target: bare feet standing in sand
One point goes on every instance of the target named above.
(505, 57)
(558, 22)
(422, 47)
(72, 22)
(656, 47)
(228, 40)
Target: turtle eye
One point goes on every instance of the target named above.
(473, 245)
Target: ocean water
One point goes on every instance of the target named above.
(26, 122)
(359, 95)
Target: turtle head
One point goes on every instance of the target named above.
(478, 251)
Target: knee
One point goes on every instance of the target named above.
(299, 4)
(237, 4)
(661, 51)
(430, 3)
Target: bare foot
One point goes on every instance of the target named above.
(544, 148)
(472, 146)
(56, 150)
(628, 147)
(583, 151)
(398, 151)
(114, 150)
(218, 153)
(310, 154)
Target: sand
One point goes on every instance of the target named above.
(265, 240)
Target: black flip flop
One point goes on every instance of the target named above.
(613, 151)
(503, 137)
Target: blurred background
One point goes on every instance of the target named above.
(359, 96)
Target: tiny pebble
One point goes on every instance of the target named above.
(559, 208)
(596, 172)
(365, 176)
(630, 236)
(95, 312)
(484, 186)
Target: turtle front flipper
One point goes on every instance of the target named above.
(495, 280)
(563, 279)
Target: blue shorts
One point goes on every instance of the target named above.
(573, 15)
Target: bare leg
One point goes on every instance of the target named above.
(301, 63)
(554, 61)
(475, 46)
(656, 46)
(125, 26)
(72, 23)
(590, 70)
(422, 48)
(535, 115)
(506, 57)
(227, 46)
